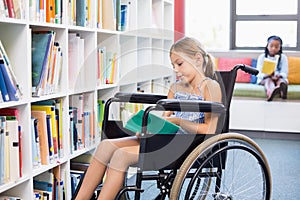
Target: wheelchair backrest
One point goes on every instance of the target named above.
(226, 80)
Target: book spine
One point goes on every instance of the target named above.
(20, 150)
(11, 9)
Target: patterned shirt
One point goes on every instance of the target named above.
(197, 117)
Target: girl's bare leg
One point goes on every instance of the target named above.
(98, 165)
(92, 178)
(269, 86)
(121, 160)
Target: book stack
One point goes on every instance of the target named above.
(49, 11)
(10, 146)
(49, 185)
(82, 128)
(46, 126)
(46, 63)
(9, 87)
(107, 66)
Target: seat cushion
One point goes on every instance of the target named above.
(258, 91)
(226, 64)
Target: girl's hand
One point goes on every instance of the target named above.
(137, 134)
(167, 113)
(174, 120)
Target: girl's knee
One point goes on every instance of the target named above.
(122, 159)
(104, 151)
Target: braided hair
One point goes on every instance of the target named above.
(274, 37)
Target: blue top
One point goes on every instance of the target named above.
(282, 69)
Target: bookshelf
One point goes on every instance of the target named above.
(140, 56)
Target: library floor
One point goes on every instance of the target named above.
(283, 154)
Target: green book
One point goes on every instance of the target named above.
(156, 125)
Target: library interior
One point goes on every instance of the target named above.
(72, 72)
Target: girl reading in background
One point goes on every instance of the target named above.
(275, 82)
(195, 71)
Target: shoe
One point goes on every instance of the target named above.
(283, 90)
(274, 93)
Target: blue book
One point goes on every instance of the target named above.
(41, 185)
(50, 139)
(10, 87)
(3, 89)
(81, 14)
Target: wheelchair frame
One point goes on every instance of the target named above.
(185, 171)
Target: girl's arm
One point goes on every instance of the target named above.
(259, 64)
(212, 92)
(284, 66)
(170, 96)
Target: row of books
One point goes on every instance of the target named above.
(80, 13)
(110, 14)
(47, 136)
(49, 185)
(12, 9)
(9, 87)
(107, 66)
(82, 128)
(113, 14)
(46, 11)
(10, 146)
(46, 63)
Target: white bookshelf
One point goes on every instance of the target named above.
(142, 60)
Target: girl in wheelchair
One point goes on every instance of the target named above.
(194, 70)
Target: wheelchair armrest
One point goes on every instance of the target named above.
(191, 106)
(139, 97)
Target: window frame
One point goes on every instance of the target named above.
(235, 18)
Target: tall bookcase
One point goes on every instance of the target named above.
(141, 59)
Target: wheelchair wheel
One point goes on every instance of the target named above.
(234, 165)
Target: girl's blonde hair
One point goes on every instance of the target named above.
(191, 47)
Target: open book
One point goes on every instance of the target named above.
(269, 65)
(156, 125)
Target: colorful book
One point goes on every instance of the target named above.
(269, 66)
(50, 110)
(10, 112)
(42, 43)
(44, 141)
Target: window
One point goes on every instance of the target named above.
(208, 21)
(252, 22)
(243, 24)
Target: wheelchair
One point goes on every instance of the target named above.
(220, 166)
